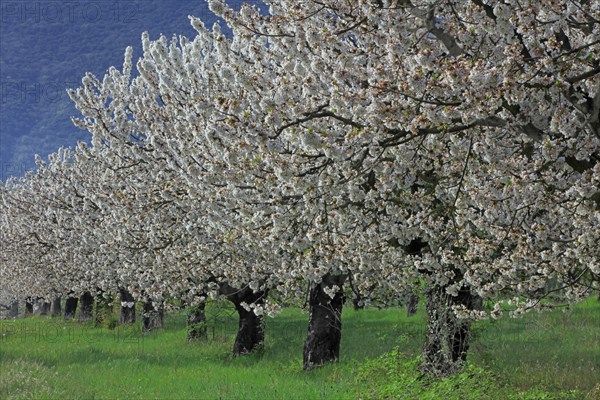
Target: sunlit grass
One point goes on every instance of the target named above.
(553, 349)
(50, 358)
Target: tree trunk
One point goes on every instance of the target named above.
(251, 332)
(411, 304)
(447, 340)
(127, 307)
(28, 306)
(196, 322)
(251, 328)
(86, 307)
(43, 307)
(46, 306)
(56, 309)
(152, 317)
(103, 310)
(322, 343)
(70, 307)
(14, 309)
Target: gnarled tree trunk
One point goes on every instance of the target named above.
(153, 315)
(127, 307)
(322, 343)
(86, 306)
(251, 328)
(56, 308)
(196, 323)
(70, 307)
(447, 340)
(251, 331)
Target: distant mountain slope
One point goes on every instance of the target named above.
(46, 47)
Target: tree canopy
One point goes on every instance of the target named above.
(450, 142)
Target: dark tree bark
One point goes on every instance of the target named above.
(70, 307)
(251, 332)
(322, 343)
(56, 309)
(103, 310)
(86, 307)
(127, 307)
(196, 323)
(152, 317)
(447, 340)
(28, 306)
(411, 304)
(251, 328)
(13, 311)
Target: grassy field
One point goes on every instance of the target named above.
(542, 356)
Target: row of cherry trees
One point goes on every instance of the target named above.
(372, 144)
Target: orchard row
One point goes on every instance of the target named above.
(371, 146)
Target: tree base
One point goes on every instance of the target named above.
(86, 306)
(153, 318)
(251, 328)
(196, 322)
(322, 343)
(14, 309)
(56, 308)
(448, 337)
(127, 313)
(70, 307)
(411, 304)
(103, 310)
(43, 307)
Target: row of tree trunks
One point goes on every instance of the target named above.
(86, 308)
(445, 350)
(322, 343)
(33, 306)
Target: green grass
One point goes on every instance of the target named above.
(555, 349)
(545, 356)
